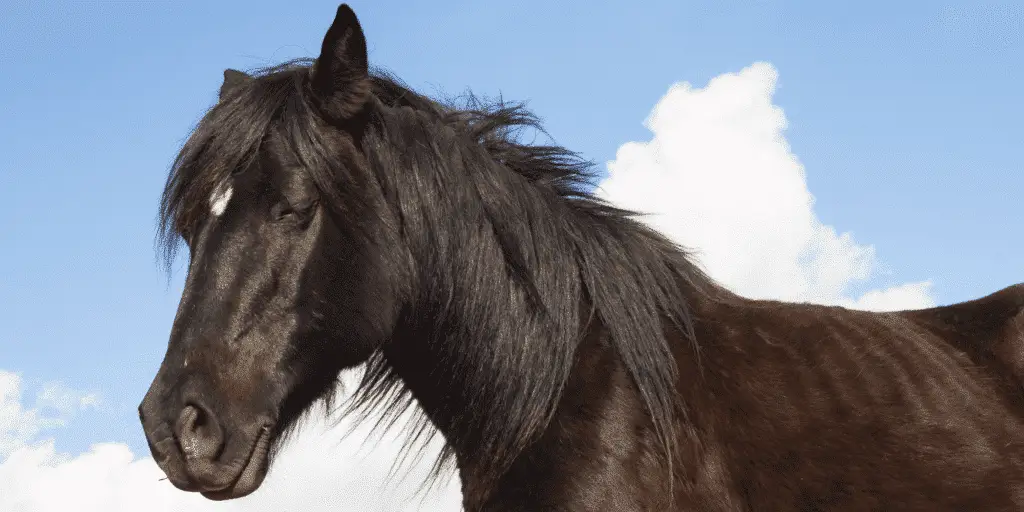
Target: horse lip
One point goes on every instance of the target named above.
(250, 475)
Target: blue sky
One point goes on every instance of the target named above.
(907, 118)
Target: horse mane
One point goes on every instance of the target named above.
(581, 262)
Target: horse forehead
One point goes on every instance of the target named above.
(219, 199)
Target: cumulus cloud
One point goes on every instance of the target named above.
(717, 175)
(53, 407)
(321, 469)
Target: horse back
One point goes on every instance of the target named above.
(812, 407)
(990, 330)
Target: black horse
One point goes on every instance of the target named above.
(572, 358)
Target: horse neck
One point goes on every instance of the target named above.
(487, 287)
(500, 275)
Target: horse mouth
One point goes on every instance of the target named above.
(251, 475)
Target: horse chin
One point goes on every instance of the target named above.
(251, 476)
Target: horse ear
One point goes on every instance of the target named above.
(340, 77)
(232, 80)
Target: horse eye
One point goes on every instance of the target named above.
(281, 211)
(284, 210)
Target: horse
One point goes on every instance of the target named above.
(572, 358)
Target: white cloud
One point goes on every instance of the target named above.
(906, 296)
(319, 470)
(53, 407)
(717, 176)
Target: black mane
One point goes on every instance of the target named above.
(580, 261)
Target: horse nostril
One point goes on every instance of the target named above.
(198, 434)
